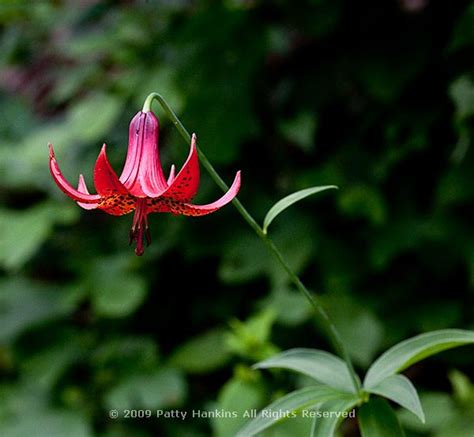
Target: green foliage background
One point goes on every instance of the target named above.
(375, 97)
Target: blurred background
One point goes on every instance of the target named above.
(375, 97)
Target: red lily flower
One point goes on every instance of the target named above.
(142, 186)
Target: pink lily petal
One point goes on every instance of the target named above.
(105, 180)
(156, 204)
(186, 183)
(117, 204)
(171, 175)
(142, 173)
(82, 187)
(65, 186)
(198, 210)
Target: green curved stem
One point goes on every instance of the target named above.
(321, 313)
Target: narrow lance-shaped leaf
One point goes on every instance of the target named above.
(377, 419)
(399, 389)
(320, 365)
(288, 406)
(415, 349)
(289, 200)
(326, 426)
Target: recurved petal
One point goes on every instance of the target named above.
(198, 210)
(82, 187)
(118, 204)
(185, 185)
(65, 186)
(171, 175)
(105, 180)
(157, 204)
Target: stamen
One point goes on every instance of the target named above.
(140, 224)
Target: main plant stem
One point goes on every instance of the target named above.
(321, 313)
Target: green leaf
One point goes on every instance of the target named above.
(301, 129)
(296, 426)
(48, 423)
(289, 200)
(252, 338)
(463, 34)
(125, 355)
(361, 330)
(326, 426)
(247, 258)
(415, 349)
(461, 92)
(70, 83)
(98, 112)
(25, 304)
(445, 416)
(322, 366)
(288, 405)
(118, 296)
(238, 396)
(243, 260)
(202, 354)
(290, 306)
(462, 387)
(163, 79)
(18, 246)
(377, 419)
(116, 291)
(399, 389)
(164, 388)
(89, 120)
(38, 368)
(363, 201)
